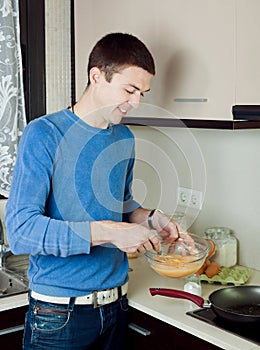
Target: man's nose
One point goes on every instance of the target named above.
(134, 100)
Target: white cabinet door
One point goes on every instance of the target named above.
(192, 43)
(196, 58)
(94, 19)
(248, 52)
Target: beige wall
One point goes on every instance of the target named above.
(232, 188)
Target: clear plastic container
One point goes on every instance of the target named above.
(192, 284)
(226, 245)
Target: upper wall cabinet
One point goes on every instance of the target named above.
(248, 52)
(205, 51)
(195, 58)
(94, 19)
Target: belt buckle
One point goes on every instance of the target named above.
(108, 293)
(95, 300)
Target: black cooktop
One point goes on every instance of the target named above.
(246, 331)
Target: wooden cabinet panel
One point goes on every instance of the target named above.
(195, 58)
(248, 52)
(12, 341)
(206, 52)
(192, 43)
(154, 334)
(11, 328)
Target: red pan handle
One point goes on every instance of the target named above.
(174, 293)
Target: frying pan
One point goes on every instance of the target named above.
(236, 304)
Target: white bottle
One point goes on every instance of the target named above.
(226, 245)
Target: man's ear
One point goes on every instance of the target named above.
(94, 75)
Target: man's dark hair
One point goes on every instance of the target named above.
(116, 51)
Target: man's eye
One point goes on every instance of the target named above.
(131, 92)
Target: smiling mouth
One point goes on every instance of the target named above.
(123, 111)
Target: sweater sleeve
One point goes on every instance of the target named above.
(130, 205)
(29, 229)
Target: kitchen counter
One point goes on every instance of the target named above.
(8, 303)
(170, 310)
(173, 311)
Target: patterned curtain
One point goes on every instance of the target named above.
(12, 104)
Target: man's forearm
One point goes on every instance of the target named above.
(128, 237)
(140, 216)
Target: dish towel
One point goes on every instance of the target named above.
(12, 104)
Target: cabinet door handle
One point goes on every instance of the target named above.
(139, 329)
(11, 330)
(189, 99)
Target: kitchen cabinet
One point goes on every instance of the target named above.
(147, 332)
(11, 327)
(247, 52)
(192, 43)
(195, 58)
(206, 54)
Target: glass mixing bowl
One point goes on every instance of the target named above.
(180, 258)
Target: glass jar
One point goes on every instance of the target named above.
(226, 245)
(192, 284)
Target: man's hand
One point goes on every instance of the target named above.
(128, 237)
(167, 228)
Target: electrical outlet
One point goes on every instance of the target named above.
(189, 198)
(196, 199)
(184, 196)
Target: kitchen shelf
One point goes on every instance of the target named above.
(192, 123)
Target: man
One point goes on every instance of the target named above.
(71, 207)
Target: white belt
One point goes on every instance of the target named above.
(97, 298)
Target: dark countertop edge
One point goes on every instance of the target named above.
(192, 123)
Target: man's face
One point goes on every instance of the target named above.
(122, 93)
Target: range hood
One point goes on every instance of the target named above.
(246, 112)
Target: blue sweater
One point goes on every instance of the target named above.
(67, 174)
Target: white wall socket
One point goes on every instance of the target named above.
(188, 197)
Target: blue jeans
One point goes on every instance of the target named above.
(75, 327)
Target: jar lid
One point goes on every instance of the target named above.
(217, 232)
